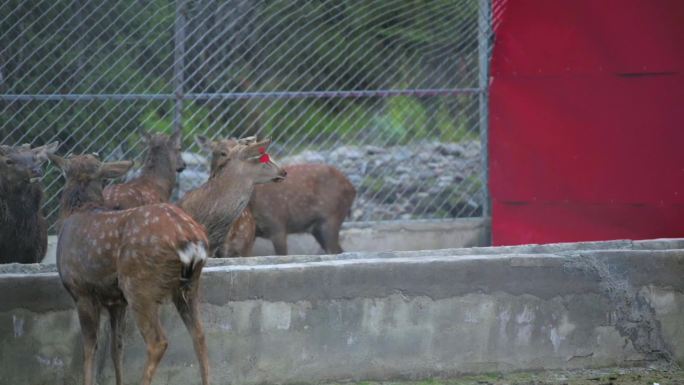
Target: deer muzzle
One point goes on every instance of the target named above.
(281, 176)
(35, 174)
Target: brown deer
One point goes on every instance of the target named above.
(217, 203)
(23, 229)
(241, 233)
(314, 198)
(137, 257)
(158, 176)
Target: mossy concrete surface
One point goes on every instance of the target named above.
(386, 316)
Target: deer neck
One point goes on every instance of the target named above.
(80, 198)
(223, 199)
(234, 187)
(22, 199)
(160, 175)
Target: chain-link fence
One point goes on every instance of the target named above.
(393, 92)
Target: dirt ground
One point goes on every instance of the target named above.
(610, 376)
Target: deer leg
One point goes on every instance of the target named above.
(279, 239)
(327, 234)
(188, 308)
(89, 318)
(247, 246)
(117, 317)
(147, 318)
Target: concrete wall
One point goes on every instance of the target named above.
(376, 236)
(387, 315)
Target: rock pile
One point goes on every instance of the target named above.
(421, 180)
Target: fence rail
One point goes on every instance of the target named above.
(392, 92)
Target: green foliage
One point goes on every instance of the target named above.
(127, 47)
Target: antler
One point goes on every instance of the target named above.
(247, 140)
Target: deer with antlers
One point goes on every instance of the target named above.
(155, 183)
(217, 203)
(315, 198)
(135, 257)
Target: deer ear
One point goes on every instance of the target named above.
(205, 143)
(255, 150)
(177, 137)
(113, 170)
(43, 151)
(58, 161)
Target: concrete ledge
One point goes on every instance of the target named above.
(392, 236)
(383, 316)
(375, 236)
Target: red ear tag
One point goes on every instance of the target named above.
(264, 158)
(262, 150)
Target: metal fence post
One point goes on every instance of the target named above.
(179, 62)
(484, 25)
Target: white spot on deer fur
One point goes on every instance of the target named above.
(192, 253)
(147, 213)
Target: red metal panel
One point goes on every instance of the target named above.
(587, 121)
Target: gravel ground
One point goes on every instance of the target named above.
(421, 180)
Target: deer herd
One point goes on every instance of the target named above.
(126, 246)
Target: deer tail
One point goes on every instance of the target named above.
(192, 257)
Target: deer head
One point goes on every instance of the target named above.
(28, 158)
(85, 175)
(164, 149)
(248, 156)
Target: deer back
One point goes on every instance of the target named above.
(96, 247)
(310, 193)
(157, 178)
(138, 192)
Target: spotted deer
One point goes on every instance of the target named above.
(23, 229)
(314, 198)
(158, 175)
(217, 203)
(136, 257)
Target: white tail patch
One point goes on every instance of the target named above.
(193, 253)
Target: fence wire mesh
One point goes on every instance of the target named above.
(392, 92)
